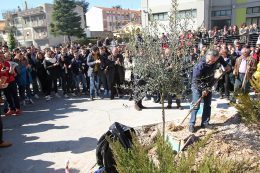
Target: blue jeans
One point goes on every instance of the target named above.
(94, 84)
(1, 130)
(239, 82)
(238, 86)
(196, 94)
(80, 78)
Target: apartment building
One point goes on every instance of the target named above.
(3, 33)
(207, 13)
(33, 25)
(110, 19)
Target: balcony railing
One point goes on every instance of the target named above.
(247, 39)
(8, 14)
(39, 24)
(40, 37)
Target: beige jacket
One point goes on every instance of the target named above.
(251, 66)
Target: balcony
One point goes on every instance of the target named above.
(40, 37)
(39, 24)
(9, 14)
(20, 37)
(31, 12)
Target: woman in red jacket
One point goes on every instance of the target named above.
(11, 91)
(3, 144)
(256, 54)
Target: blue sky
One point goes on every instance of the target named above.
(13, 4)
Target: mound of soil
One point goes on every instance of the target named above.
(230, 139)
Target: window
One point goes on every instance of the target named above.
(160, 16)
(194, 13)
(252, 10)
(222, 13)
(221, 23)
(16, 21)
(256, 10)
(187, 13)
(18, 33)
(228, 13)
(249, 10)
(251, 20)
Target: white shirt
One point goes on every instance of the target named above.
(242, 67)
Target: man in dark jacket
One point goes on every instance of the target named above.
(118, 60)
(202, 81)
(107, 68)
(93, 62)
(66, 74)
(83, 58)
(77, 71)
(31, 56)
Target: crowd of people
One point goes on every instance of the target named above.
(232, 30)
(101, 71)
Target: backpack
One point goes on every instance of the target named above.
(104, 154)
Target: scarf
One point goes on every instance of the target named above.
(52, 60)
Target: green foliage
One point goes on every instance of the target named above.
(211, 163)
(64, 20)
(163, 71)
(255, 82)
(84, 4)
(11, 41)
(136, 160)
(86, 41)
(165, 155)
(248, 109)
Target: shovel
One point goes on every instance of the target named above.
(199, 100)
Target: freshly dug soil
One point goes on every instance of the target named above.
(230, 139)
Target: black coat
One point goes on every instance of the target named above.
(40, 70)
(52, 71)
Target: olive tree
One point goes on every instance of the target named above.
(162, 73)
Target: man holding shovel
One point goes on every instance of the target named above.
(202, 81)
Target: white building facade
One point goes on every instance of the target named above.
(102, 19)
(160, 11)
(94, 19)
(207, 13)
